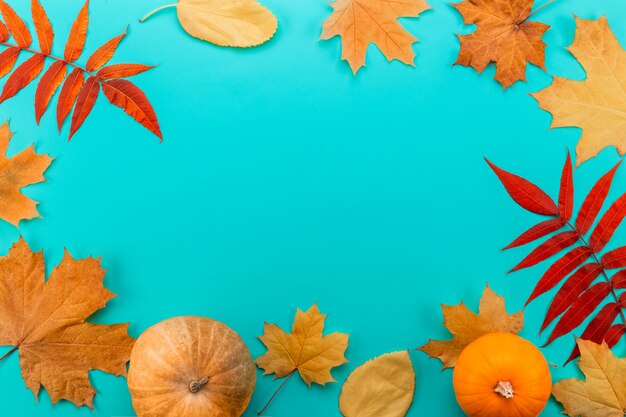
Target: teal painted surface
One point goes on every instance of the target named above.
(283, 180)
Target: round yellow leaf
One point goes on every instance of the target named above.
(381, 387)
(238, 23)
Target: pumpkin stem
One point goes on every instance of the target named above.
(504, 389)
(195, 386)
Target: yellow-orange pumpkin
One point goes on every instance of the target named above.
(502, 375)
(190, 367)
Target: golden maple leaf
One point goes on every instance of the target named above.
(45, 321)
(23, 169)
(504, 36)
(466, 326)
(603, 393)
(361, 22)
(597, 104)
(305, 349)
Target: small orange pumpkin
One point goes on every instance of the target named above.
(502, 375)
(190, 367)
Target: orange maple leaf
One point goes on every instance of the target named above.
(45, 321)
(361, 22)
(504, 36)
(17, 172)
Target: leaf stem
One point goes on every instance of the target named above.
(56, 58)
(276, 392)
(9, 352)
(143, 19)
(539, 8)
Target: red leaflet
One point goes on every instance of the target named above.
(134, 102)
(597, 327)
(538, 231)
(68, 95)
(571, 290)
(16, 26)
(548, 248)
(566, 192)
(615, 258)
(608, 224)
(525, 193)
(103, 54)
(22, 76)
(78, 35)
(122, 70)
(614, 334)
(618, 280)
(594, 201)
(622, 300)
(580, 310)
(8, 57)
(4, 33)
(559, 270)
(48, 85)
(42, 27)
(84, 104)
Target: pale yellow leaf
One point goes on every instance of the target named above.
(381, 387)
(603, 393)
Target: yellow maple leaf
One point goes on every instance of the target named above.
(603, 393)
(46, 322)
(597, 104)
(361, 22)
(504, 36)
(17, 172)
(466, 326)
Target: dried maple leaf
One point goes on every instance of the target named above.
(45, 321)
(466, 326)
(603, 394)
(361, 22)
(504, 36)
(305, 350)
(597, 104)
(17, 172)
(383, 386)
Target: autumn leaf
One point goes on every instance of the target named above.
(381, 387)
(504, 36)
(17, 172)
(603, 393)
(45, 321)
(466, 326)
(235, 23)
(305, 350)
(596, 104)
(361, 22)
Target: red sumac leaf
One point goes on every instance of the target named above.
(608, 224)
(538, 231)
(103, 54)
(8, 58)
(550, 247)
(580, 310)
(4, 33)
(69, 92)
(42, 27)
(84, 104)
(615, 258)
(573, 287)
(566, 191)
(525, 193)
(50, 82)
(134, 102)
(22, 76)
(614, 334)
(594, 201)
(597, 327)
(78, 35)
(16, 25)
(559, 270)
(122, 70)
(618, 280)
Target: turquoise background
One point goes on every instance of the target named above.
(283, 180)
